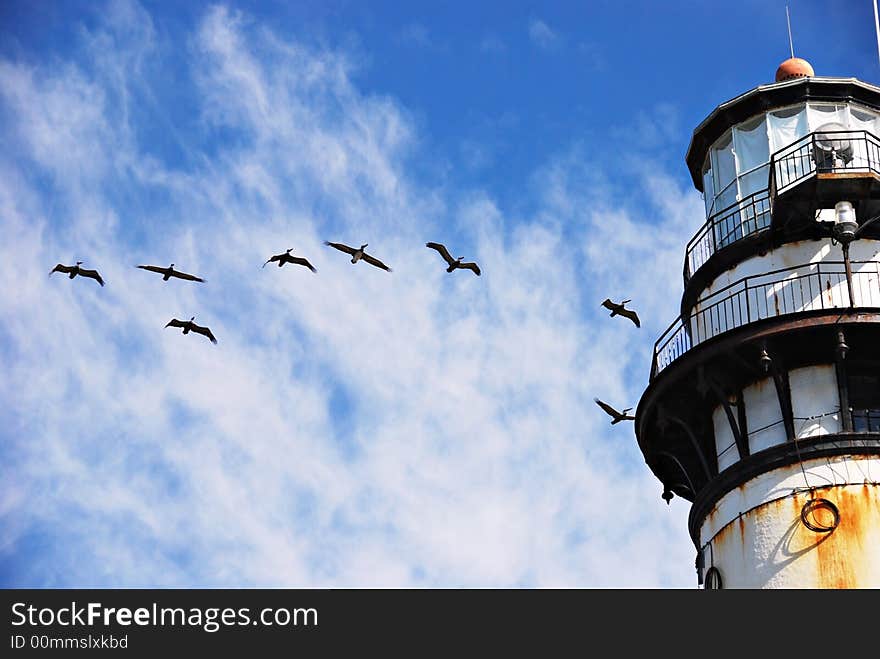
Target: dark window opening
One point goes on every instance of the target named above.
(864, 401)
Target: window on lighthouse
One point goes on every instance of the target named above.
(724, 170)
(864, 400)
(752, 151)
(736, 173)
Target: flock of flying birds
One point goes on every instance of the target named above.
(618, 309)
(357, 254)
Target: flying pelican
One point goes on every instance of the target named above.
(618, 416)
(619, 310)
(454, 264)
(189, 325)
(75, 270)
(358, 254)
(169, 272)
(287, 258)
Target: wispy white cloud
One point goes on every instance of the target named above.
(542, 35)
(492, 43)
(592, 56)
(416, 34)
(658, 127)
(352, 427)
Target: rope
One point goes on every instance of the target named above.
(819, 504)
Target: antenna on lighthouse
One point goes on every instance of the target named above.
(877, 28)
(788, 22)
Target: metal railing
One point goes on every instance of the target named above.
(832, 151)
(855, 151)
(807, 287)
(866, 420)
(725, 227)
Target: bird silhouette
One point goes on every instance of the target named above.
(454, 264)
(287, 258)
(619, 310)
(358, 254)
(617, 416)
(189, 326)
(169, 272)
(74, 270)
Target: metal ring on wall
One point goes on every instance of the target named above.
(819, 504)
(713, 579)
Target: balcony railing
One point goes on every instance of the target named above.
(866, 420)
(850, 151)
(807, 287)
(726, 227)
(831, 151)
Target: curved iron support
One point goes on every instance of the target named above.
(739, 433)
(667, 454)
(783, 393)
(707, 470)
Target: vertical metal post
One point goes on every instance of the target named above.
(849, 283)
(846, 422)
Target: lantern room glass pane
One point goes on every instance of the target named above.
(821, 114)
(751, 145)
(863, 120)
(865, 153)
(754, 181)
(786, 127)
(723, 164)
(708, 190)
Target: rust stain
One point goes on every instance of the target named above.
(776, 302)
(834, 565)
(840, 555)
(842, 558)
(761, 386)
(831, 176)
(725, 536)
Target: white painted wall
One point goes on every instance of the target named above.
(795, 254)
(815, 400)
(763, 415)
(758, 540)
(815, 403)
(725, 444)
(776, 294)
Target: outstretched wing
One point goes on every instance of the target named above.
(631, 315)
(183, 275)
(198, 329)
(273, 259)
(608, 409)
(153, 268)
(301, 261)
(376, 262)
(342, 248)
(471, 266)
(92, 274)
(608, 304)
(175, 323)
(61, 268)
(443, 251)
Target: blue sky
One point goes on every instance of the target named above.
(354, 427)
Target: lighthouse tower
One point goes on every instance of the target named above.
(763, 406)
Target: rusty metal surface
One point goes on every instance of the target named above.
(832, 176)
(769, 546)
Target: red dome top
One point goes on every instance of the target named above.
(794, 67)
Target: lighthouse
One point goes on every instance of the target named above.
(763, 404)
